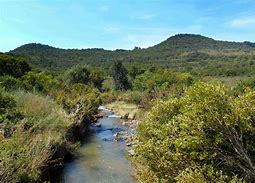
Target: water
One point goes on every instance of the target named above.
(101, 159)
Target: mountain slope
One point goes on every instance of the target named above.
(178, 48)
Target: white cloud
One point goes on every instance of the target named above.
(243, 22)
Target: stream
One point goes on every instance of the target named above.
(101, 158)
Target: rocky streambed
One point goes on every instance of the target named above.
(102, 156)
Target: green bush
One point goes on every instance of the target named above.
(13, 66)
(9, 115)
(153, 81)
(244, 85)
(207, 128)
(79, 74)
(82, 75)
(39, 82)
(96, 78)
(81, 101)
(10, 83)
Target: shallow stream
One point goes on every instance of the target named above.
(101, 159)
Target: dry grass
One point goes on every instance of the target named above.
(34, 104)
(124, 108)
(29, 150)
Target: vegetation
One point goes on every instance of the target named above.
(199, 94)
(81, 74)
(185, 52)
(206, 135)
(13, 66)
(120, 77)
(37, 113)
(33, 140)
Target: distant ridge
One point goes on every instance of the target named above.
(176, 48)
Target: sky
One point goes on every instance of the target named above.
(121, 24)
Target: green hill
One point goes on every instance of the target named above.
(177, 52)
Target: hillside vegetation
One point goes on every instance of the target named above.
(180, 52)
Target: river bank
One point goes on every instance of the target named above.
(131, 116)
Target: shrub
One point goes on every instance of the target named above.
(10, 83)
(79, 74)
(81, 101)
(244, 85)
(96, 78)
(206, 127)
(13, 66)
(9, 115)
(39, 82)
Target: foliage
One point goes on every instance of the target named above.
(9, 115)
(135, 71)
(120, 76)
(81, 74)
(96, 78)
(161, 79)
(13, 66)
(25, 153)
(160, 84)
(207, 128)
(196, 54)
(36, 113)
(10, 83)
(244, 85)
(81, 101)
(78, 75)
(39, 81)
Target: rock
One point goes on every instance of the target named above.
(100, 115)
(98, 124)
(105, 139)
(125, 117)
(116, 134)
(128, 144)
(131, 152)
(101, 108)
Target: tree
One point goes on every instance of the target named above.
(39, 81)
(120, 76)
(135, 71)
(96, 78)
(13, 66)
(79, 74)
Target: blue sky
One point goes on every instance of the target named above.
(112, 24)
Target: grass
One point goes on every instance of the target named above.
(228, 81)
(28, 150)
(124, 108)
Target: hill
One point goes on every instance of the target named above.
(178, 50)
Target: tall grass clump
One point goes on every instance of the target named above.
(30, 147)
